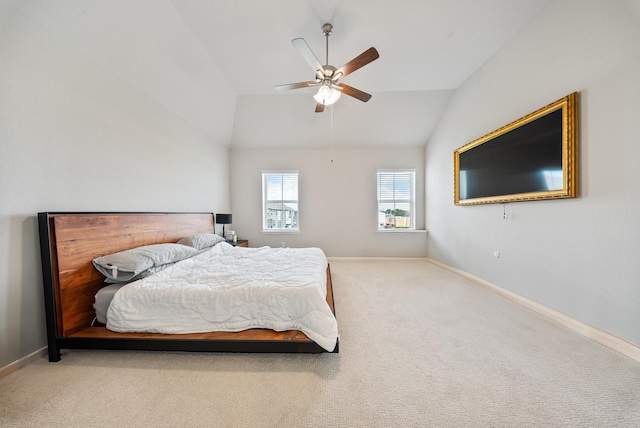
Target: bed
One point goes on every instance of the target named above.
(69, 244)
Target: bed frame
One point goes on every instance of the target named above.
(68, 244)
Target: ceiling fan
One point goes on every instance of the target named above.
(327, 75)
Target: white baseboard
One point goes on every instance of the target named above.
(627, 349)
(22, 362)
(364, 259)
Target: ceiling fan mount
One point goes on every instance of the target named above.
(327, 76)
(327, 29)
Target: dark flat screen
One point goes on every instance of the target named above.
(523, 160)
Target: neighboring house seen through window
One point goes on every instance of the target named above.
(280, 200)
(396, 199)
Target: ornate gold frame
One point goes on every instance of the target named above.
(569, 106)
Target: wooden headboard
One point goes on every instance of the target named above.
(70, 241)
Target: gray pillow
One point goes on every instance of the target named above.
(135, 263)
(201, 241)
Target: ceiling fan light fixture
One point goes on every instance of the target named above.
(327, 95)
(327, 76)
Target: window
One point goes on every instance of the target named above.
(396, 199)
(280, 200)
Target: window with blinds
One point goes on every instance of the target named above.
(396, 199)
(280, 200)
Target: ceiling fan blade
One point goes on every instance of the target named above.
(308, 55)
(355, 93)
(295, 85)
(319, 107)
(360, 61)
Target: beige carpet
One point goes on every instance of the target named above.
(420, 347)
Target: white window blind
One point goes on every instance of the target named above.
(280, 200)
(396, 199)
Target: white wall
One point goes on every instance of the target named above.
(578, 256)
(338, 208)
(74, 137)
(404, 118)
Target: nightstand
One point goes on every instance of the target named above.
(240, 243)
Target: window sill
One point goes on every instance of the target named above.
(281, 231)
(401, 231)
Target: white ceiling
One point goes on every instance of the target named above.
(215, 62)
(423, 44)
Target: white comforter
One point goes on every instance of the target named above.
(231, 289)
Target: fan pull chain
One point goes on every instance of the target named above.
(331, 137)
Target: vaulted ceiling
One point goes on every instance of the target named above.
(197, 57)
